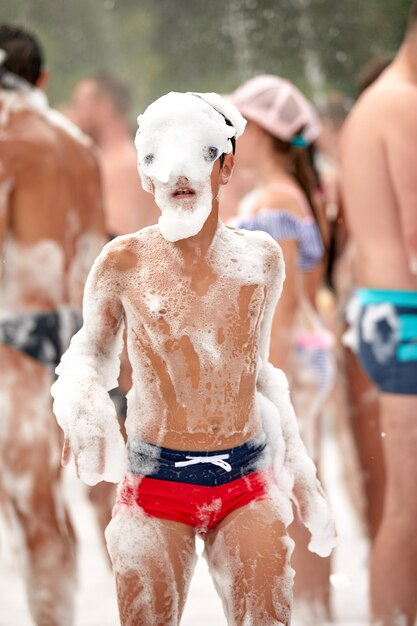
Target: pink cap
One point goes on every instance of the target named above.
(277, 106)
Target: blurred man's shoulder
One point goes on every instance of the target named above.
(387, 98)
(25, 125)
(71, 138)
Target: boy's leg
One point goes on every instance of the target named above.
(30, 454)
(153, 560)
(249, 558)
(394, 559)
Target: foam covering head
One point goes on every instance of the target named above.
(179, 138)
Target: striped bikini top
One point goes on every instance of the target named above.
(283, 225)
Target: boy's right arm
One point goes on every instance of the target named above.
(88, 369)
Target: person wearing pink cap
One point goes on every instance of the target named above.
(276, 147)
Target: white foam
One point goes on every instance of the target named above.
(36, 268)
(39, 268)
(25, 97)
(295, 474)
(382, 347)
(341, 581)
(179, 138)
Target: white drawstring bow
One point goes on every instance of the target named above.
(216, 459)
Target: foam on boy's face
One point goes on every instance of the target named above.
(180, 136)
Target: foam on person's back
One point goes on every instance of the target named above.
(21, 96)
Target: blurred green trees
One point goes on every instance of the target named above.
(159, 45)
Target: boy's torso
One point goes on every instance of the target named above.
(193, 335)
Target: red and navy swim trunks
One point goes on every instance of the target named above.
(196, 488)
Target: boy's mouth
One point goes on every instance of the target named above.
(183, 192)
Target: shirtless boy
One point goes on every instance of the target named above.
(379, 153)
(51, 229)
(209, 419)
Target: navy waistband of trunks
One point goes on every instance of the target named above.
(210, 469)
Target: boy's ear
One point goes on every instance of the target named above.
(227, 168)
(42, 79)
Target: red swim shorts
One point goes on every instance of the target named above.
(199, 506)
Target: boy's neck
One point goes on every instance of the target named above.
(201, 242)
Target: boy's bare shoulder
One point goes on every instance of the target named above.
(124, 253)
(257, 241)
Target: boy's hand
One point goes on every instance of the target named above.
(97, 456)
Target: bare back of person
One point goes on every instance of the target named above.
(370, 181)
(380, 196)
(53, 210)
(51, 229)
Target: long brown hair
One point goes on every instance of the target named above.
(301, 161)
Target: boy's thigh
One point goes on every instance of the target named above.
(153, 561)
(249, 559)
(137, 542)
(251, 535)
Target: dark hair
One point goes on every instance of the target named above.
(223, 156)
(228, 123)
(372, 70)
(412, 16)
(335, 109)
(24, 54)
(116, 89)
(303, 168)
(232, 140)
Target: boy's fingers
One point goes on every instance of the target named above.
(101, 456)
(66, 453)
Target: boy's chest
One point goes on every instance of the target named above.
(205, 299)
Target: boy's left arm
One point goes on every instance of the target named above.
(273, 385)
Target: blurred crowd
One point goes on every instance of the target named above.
(334, 185)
